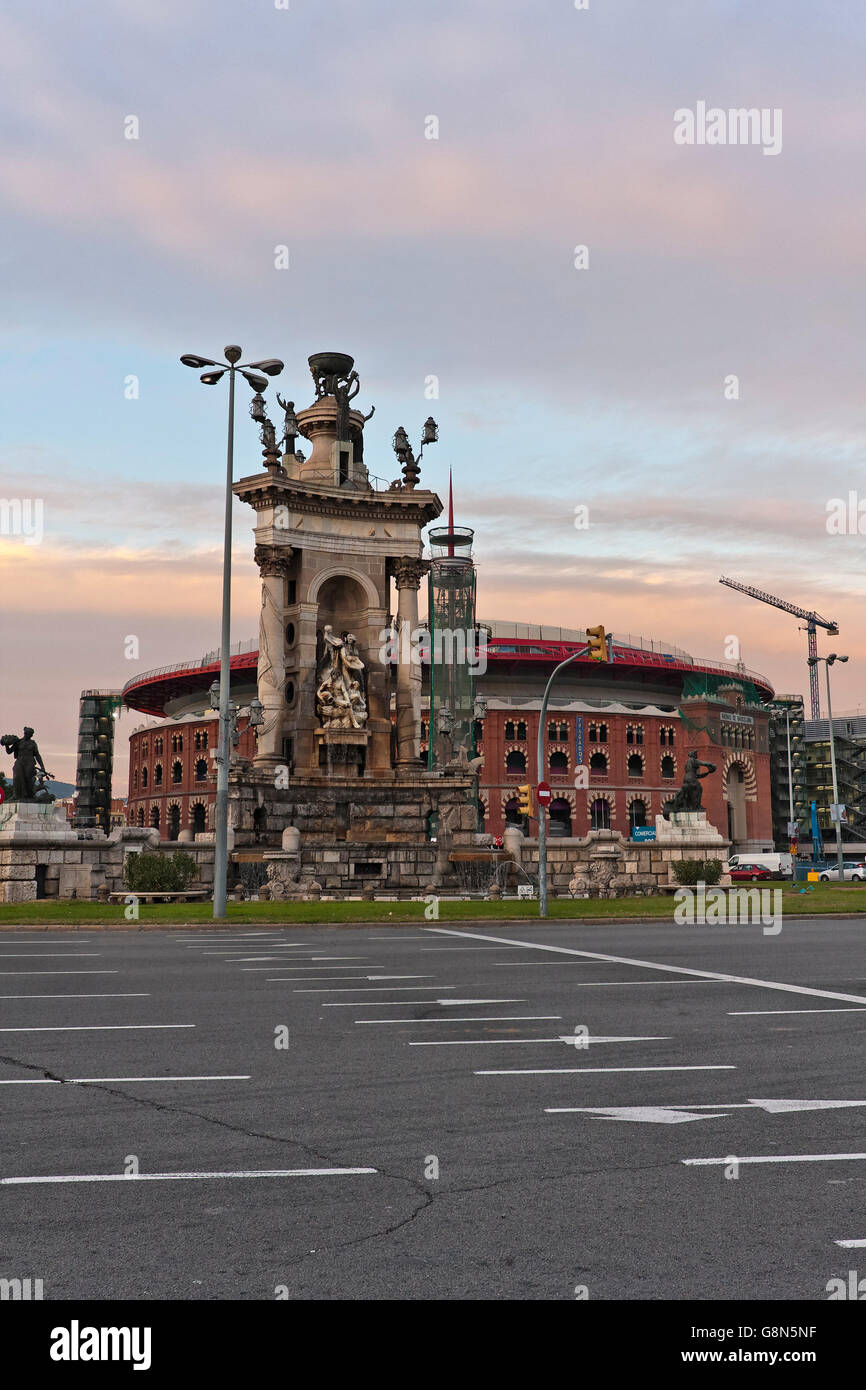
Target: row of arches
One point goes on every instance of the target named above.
(599, 763)
(200, 774)
(200, 813)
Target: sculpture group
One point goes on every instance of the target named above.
(340, 700)
(29, 776)
(690, 795)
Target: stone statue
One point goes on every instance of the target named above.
(690, 795)
(340, 701)
(26, 784)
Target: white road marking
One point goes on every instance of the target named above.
(497, 1018)
(776, 1158)
(851, 1244)
(764, 1013)
(104, 1080)
(501, 1042)
(571, 1071)
(368, 989)
(74, 996)
(392, 1003)
(98, 1028)
(59, 972)
(673, 969)
(641, 1114)
(193, 1177)
(506, 947)
(303, 979)
(450, 1003)
(287, 965)
(56, 955)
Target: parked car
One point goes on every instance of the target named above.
(853, 871)
(751, 873)
(781, 864)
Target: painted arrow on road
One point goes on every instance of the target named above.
(681, 1114)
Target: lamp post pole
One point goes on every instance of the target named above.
(827, 664)
(272, 366)
(539, 763)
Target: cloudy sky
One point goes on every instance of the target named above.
(559, 387)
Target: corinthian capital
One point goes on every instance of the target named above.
(409, 572)
(273, 561)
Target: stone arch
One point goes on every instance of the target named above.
(747, 767)
(639, 757)
(598, 794)
(374, 598)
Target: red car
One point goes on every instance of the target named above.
(752, 873)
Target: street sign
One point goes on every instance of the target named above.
(643, 832)
(2, 796)
(543, 794)
(838, 813)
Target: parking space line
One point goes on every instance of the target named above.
(764, 1013)
(74, 996)
(105, 1080)
(59, 972)
(775, 1158)
(192, 1177)
(672, 969)
(573, 1071)
(570, 1041)
(497, 1018)
(851, 1244)
(98, 1028)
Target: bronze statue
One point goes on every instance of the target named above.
(690, 795)
(26, 784)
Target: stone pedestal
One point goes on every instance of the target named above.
(23, 822)
(688, 828)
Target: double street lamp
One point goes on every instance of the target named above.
(836, 812)
(271, 366)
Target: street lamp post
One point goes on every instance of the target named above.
(272, 366)
(828, 662)
(539, 763)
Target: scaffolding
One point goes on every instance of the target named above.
(96, 715)
(453, 646)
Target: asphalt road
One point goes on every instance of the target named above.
(581, 1091)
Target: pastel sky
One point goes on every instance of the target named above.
(559, 387)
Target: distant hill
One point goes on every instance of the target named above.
(61, 789)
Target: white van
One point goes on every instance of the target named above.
(782, 864)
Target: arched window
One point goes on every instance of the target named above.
(560, 817)
(521, 730)
(635, 765)
(563, 733)
(602, 733)
(173, 822)
(509, 728)
(600, 814)
(558, 762)
(637, 814)
(667, 766)
(135, 779)
(177, 772)
(141, 816)
(551, 732)
(204, 738)
(154, 817)
(593, 733)
(157, 775)
(515, 761)
(199, 818)
(598, 765)
(157, 746)
(512, 812)
(201, 770)
(260, 822)
(144, 747)
(144, 776)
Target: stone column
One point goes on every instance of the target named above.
(407, 574)
(273, 562)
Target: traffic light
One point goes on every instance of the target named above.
(524, 799)
(597, 643)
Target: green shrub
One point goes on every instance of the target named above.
(691, 871)
(159, 873)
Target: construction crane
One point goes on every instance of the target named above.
(812, 620)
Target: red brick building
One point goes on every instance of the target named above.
(616, 738)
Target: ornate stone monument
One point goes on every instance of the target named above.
(331, 763)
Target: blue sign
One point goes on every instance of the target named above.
(643, 832)
(578, 741)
